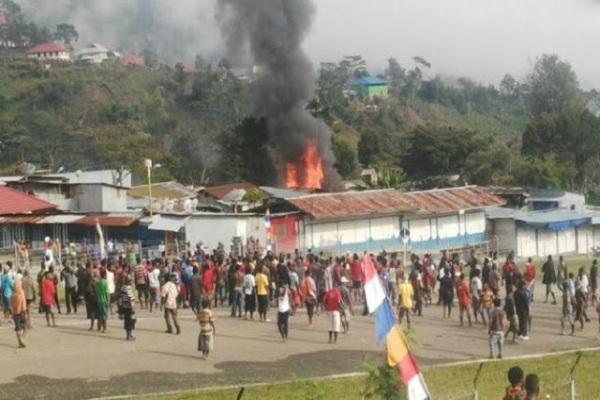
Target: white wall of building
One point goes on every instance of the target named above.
(385, 231)
(51, 56)
(212, 229)
(532, 242)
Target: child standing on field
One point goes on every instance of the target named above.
(207, 328)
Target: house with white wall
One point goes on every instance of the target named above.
(435, 220)
(544, 232)
(49, 52)
(94, 54)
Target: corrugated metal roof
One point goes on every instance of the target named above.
(22, 219)
(282, 193)
(541, 217)
(218, 192)
(439, 201)
(390, 201)
(49, 47)
(59, 219)
(368, 80)
(15, 202)
(115, 220)
(163, 190)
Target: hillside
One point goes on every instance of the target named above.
(82, 117)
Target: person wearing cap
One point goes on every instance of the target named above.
(169, 295)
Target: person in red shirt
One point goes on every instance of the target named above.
(48, 290)
(208, 280)
(529, 276)
(356, 271)
(464, 299)
(333, 301)
(509, 271)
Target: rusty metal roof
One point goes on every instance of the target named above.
(390, 201)
(115, 220)
(219, 192)
(21, 219)
(162, 190)
(16, 202)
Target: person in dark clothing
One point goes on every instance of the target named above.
(83, 280)
(486, 270)
(91, 302)
(283, 275)
(196, 291)
(68, 276)
(447, 293)
(511, 318)
(594, 282)
(549, 278)
(522, 309)
(231, 270)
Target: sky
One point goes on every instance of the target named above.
(479, 39)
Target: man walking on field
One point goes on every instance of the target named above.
(169, 304)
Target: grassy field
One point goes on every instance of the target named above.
(454, 382)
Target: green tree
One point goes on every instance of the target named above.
(369, 148)
(391, 177)
(247, 154)
(435, 151)
(571, 137)
(66, 33)
(383, 382)
(150, 58)
(545, 172)
(345, 157)
(553, 87)
(396, 75)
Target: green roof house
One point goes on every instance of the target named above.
(368, 86)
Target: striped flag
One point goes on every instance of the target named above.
(386, 329)
(100, 239)
(268, 229)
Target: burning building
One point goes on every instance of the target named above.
(269, 33)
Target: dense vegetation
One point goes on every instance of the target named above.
(196, 122)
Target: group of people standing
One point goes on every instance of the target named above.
(256, 283)
(479, 297)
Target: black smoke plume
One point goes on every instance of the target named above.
(269, 35)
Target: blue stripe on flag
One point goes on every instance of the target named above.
(384, 320)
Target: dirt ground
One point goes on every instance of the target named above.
(69, 362)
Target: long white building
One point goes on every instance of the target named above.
(434, 220)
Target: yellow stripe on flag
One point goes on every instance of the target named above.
(396, 344)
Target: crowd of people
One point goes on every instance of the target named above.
(497, 295)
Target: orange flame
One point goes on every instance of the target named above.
(311, 175)
(291, 176)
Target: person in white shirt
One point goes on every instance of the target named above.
(169, 304)
(283, 311)
(249, 294)
(154, 285)
(476, 288)
(110, 281)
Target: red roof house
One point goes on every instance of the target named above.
(49, 51)
(14, 202)
(133, 60)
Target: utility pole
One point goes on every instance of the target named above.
(148, 165)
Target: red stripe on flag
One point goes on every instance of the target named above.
(369, 268)
(408, 368)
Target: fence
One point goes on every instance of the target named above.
(558, 380)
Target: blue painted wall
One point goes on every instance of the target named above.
(432, 245)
